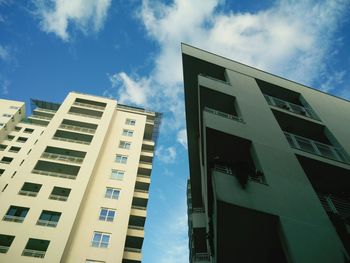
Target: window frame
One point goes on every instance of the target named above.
(121, 158)
(107, 214)
(131, 122)
(117, 174)
(98, 243)
(112, 194)
(124, 145)
(128, 132)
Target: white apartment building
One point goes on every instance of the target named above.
(74, 180)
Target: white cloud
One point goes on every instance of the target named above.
(5, 87)
(4, 53)
(182, 138)
(293, 39)
(166, 154)
(58, 15)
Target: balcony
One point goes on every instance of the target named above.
(60, 193)
(86, 112)
(146, 156)
(66, 155)
(56, 169)
(335, 205)
(79, 126)
(291, 107)
(317, 148)
(223, 114)
(145, 165)
(90, 104)
(201, 257)
(72, 137)
(132, 255)
(36, 248)
(136, 231)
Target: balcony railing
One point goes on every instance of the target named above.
(84, 115)
(70, 140)
(60, 157)
(318, 148)
(223, 114)
(40, 117)
(54, 174)
(335, 205)
(33, 253)
(46, 110)
(136, 227)
(77, 128)
(17, 219)
(46, 223)
(4, 249)
(58, 197)
(215, 79)
(88, 105)
(131, 249)
(300, 110)
(257, 177)
(138, 207)
(27, 193)
(141, 191)
(201, 257)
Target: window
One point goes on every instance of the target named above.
(48, 218)
(7, 115)
(2, 147)
(17, 128)
(10, 137)
(30, 189)
(117, 174)
(107, 214)
(124, 145)
(100, 239)
(5, 243)
(6, 160)
(14, 149)
(112, 193)
(14, 107)
(59, 193)
(22, 139)
(94, 261)
(121, 158)
(2, 124)
(2, 171)
(130, 122)
(36, 248)
(27, 130)
(16, 214)
(129, 133)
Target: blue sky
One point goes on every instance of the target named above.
(130, 50)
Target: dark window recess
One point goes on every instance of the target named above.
(28, 130)
(36, 248)
(59, 193)
(3, 189)
(14, 149)
(10, 137)
(78, 126)
(22, 139)
(5, 242)
(73, 137)
(6, 160)
(233, 155)
(49, 218)
(17, 128)
(16, 214)
(2, 171)
(56, 169)
(30, 189)
(2, 147)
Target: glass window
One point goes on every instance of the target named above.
(16, 214)
(100, 239)
(124, 145)
(130, 122)
(121, 158)
(127, 132)
(49, 218)
(107, 214)
(7, 115)
(5, 243)
(2, 147)
(112, 193)
(28, 130)
(22, 139)
(117, 174)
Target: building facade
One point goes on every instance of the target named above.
(269, 166)
(74, 180)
